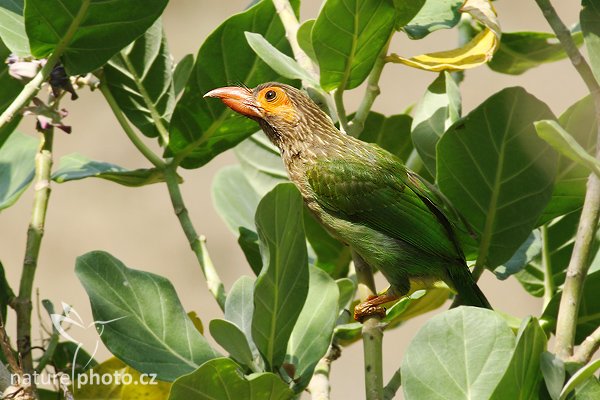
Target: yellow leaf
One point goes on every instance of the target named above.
(473, 54)
(113, 380)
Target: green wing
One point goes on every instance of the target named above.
(385, 197)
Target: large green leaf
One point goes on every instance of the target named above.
(589, 310)
(553, 370)
(282, 286)
(12, 27)
(523, 377)
(101, 28)
(313, 331)
(434, 15)
(497, 172)
(17, 167)
(140, 77)
(521, 51)
(460, 354)
(10, 89)
(305, 38)
(437, 110)
(347, 37)
(75, 166)
(392, 133)
(590, 26)
(182, 73)
(570, 185)
(222, 379)
(144, 322)
(203, 128)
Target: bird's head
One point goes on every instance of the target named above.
(283, 112)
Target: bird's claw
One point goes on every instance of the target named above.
(364, 310)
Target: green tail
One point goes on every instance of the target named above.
(468, 293)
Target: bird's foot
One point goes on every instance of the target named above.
(372, 307)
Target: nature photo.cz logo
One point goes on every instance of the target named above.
(68, 325)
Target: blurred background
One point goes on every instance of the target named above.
(139, 227)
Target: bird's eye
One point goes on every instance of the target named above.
(270, 95)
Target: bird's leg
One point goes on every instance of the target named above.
(372, 306)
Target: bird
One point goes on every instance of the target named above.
(392, 219)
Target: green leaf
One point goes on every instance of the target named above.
(232, 339)
(141, 80)
(437, 110)
(148, 328)
(566, 144)
(347, 48)
(10, 90)
(282, 285)
(521, 51)
(75, 166)
(234, 199)
(570, 185)
(281, 63)
(580, 377)
(313, 331)
(261, 163)
(248, 242)
(434, 15)
(304, 37)
(526, 253)
(459, 354)
(497, 172)
(589, 18)
(182, 73)
(406, 11)
(392, 133)
(12, 27)
(239, 307)
(523, 378)
(222, 379)
(200, 128)
(346, 288)
(17, 167)
(553, 370)
(101, 28)
(588, 390)
(561, 237)
(589, 309)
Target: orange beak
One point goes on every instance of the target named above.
(239, 99)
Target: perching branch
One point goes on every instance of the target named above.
(22, 303)
(372, 333)
(580, 260)
(198, 244)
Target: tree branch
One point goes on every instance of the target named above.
(356, 126)
(22, 303)
(198, 244)
(319, 386)
(579, 262)
(372, 333)
(587, 348)
(549, 285)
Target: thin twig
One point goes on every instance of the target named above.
(372, 333)
(338, 97)
(291, 25)
(580, 260)
(587, 348)
(198, 244)
(389, 391)
(356, 126)
(319, 386)
(549, 285)
(135, 139)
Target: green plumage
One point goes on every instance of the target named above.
(364, 195)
